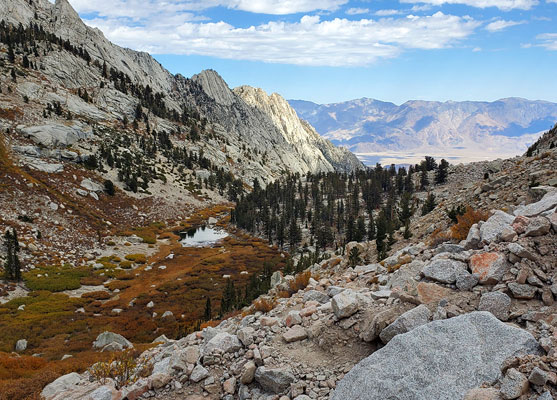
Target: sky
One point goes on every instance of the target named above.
(329, 51)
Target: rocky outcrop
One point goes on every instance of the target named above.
(443, 359)
(320, 154)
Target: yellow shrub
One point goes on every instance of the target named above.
(300, 282)
(263, 305)
(137, 258)
(459, 231)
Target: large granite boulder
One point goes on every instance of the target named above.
(107, 338)
(440, 360)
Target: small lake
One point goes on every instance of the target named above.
(201, 237)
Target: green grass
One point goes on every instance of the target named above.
(55, 278)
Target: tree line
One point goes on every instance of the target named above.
(336, 208)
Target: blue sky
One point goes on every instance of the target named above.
(335, 50)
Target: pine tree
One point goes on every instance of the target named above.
(442, 172)
(381, 235)
(371, 228)
(405, 208)
(11, 54)
(208, 312)
(424, 180)
(360, 230)
(429, 204)
(12, 267)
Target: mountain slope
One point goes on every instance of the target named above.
(466, 131)
(123, 86)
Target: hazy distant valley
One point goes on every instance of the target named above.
(468, 131)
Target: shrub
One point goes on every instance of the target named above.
(55, 279)
(99, 295)
(126, 264)
(120, 285)
(263, 305)
(94, 280)
(460, 230)
(300, 282)
(454, 212)
(123, 368)
(137, 258)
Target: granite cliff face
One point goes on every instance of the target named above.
(318, 153)
(243, 125)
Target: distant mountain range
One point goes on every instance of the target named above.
(465, 131)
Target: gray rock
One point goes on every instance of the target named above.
(520, 251)
(295, 334)
(275, 380)
(514, 384)
(276, 278)
(246, 335)
(55, 135)
(21, 345)
(538, 376)
(522, 291)
(161, 339)
(332, 291)
(548, 202)
(439, 360)
(373, 327)
(497, 303)
(345, 304)
(44, 166)
(61, 385)
(91, 186)
(444, 270)
(449, 248)
(406, 322)
(473, 239)
(381, 294)
(545, 396)
(101, 393)
(466, 281)
(315, 295)
(366, 269)
(537, 226)
(248, 374)
(69, 155)
(553, 220)
(199, 373)
(492, 229)
(109, 337)
(223, 342)
(113, 346)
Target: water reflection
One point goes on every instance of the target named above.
(201, 237)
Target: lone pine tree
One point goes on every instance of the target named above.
(12, 267)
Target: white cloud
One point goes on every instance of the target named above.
(337, 42)
(357, 11)
(386, 13)
(138, 8)
(505, 5)
(548, 40)
(501, 24)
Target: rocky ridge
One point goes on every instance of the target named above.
(233, 125)
(494, 291)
